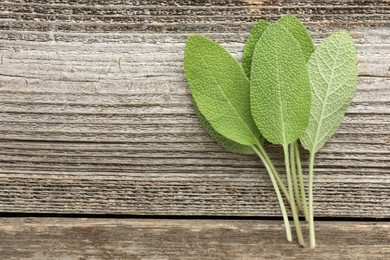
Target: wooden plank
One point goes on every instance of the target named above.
(59, 238)
(96, 116)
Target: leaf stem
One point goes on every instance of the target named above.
(260, 152)
(311, 211)
(274, 171)
(301, 241)
(294, 177)
(301, 183)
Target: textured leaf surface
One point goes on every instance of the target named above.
(220, 89)
(250, 45)
(298, 30)
(333, 77)
(280, 91)
(224, 142)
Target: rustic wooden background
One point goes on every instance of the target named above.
(96, 120)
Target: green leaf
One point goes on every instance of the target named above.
(224, 142)
(250, 45)
(333, 77)
(280, 91)
(298, 30)
(220, 89)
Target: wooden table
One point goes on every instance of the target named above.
(102, 156)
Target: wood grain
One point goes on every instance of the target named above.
(96, 115)
(58, 238)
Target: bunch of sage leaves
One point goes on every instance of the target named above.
(285, 92)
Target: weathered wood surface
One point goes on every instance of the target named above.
(95, 113)
(185, 239)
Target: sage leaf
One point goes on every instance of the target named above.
(333, 71)
(250, 44)
(298, 30)
(333, 75)
(224, 142)
(280, 91)
(220, 89)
